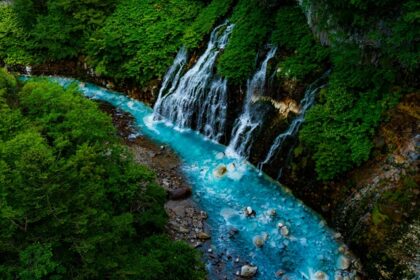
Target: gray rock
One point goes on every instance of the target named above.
(248, 271)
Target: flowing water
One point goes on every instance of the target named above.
(198, 100)
(249, 121)
(306, 103)
(307, 248)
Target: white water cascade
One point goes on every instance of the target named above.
(306, 103)
(28, 70)
(246, 124)
(198, 99)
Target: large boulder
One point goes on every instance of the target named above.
(179, 193)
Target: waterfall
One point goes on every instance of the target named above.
(246, 124)
(171, 79)
(199, 98)
(28, 70)
(306, 103)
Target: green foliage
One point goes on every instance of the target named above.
(252, 23)
(390, 26)
(62, 31)
(205, 22)
(73, 204)
(340, 129)
(291, 33)
(141, 38)
(14, 45)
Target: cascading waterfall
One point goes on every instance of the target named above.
(246, 124)
(306, 103)
(170, 81)
(198, 99)
(28, 70)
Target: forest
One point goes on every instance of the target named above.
(75, 205)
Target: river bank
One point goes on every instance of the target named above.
(186, 220)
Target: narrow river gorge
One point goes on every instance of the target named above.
(273, 230)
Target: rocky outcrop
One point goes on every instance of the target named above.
(375, 206)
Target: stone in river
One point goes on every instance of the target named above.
(320, 275)
(203, 236)
(220, 171)
(249, 212)
(248, 271)
(258, 241)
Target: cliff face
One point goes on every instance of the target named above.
(379, 213)
(375, 205)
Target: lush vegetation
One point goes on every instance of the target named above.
(14, 41)
(252, 22)
(73, 204)
(305, 56)
(205, 22)
(141, 38)
(372, 55)
(367, 79)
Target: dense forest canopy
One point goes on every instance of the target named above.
(74, 205)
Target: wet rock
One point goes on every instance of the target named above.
(180, 193)
(272, 213)
(283, 229)
(320, 275)
(249, 212)
(343, 262)
(280, 273)
(258, 241)
(203, 236)
(220, 171)
(248, 271)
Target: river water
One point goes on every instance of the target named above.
(307, 248)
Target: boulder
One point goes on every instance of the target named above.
(249, 212)
(203, 236)
(220, 171)
(284, 231)
(258, 241)
(248, 271)
(179, 193)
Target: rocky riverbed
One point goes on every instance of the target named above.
(186, 221)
